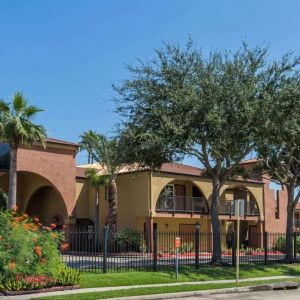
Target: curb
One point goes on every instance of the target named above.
(235, 290)
(104, 289)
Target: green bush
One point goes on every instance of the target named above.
(26, 248)
(186, 247)
(128, 240)
(67, 276)
(279, 245)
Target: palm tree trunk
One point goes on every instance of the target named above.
(113, 204)
(97, 218)
(12, 189)
(215, 222)
(289, 226)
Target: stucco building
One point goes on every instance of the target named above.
(51, 186)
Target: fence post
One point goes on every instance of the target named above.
(295, 246)
(233, 245)
(155, 249)
(105, 239)
(197, 246)
(266, 248)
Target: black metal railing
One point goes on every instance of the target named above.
(132, 250)
(227, 207)
(183, 204)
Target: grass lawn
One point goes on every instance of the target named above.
(149, 291)
(185, 274)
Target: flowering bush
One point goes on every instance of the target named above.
(29, 253)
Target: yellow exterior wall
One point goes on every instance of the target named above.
(133, 199)
(160, 180)
(133, 203)
(138, 193)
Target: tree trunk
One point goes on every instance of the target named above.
(289, 226)
(97, 218)
(113, 205)
(12, 189)
(215, 222)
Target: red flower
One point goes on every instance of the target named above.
(64, 246)
(53, 226)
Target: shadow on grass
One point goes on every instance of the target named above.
(168, 275)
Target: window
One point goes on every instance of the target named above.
(277, 211)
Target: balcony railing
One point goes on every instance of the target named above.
(227, 207)
(181, 204)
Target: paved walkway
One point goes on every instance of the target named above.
(104, 289)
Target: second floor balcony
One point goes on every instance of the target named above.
(228, 207)
(182, 204)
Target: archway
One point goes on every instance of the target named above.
(230, 194)
(181, 196)
(48, 205)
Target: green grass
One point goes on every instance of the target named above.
(185, 274)
(151, 291)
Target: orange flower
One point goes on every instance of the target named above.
(25, 216)
(34, 239)
(64, 246)
(33, 227)
(26, 226)
(53, 236)
(14, 224)
(12, 265)
(53, 226)
(38, 250)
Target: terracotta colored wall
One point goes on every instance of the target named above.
(56, 164)
(271, 223)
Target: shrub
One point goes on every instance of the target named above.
(128, 240)
(26, 248)
(279, 245)
(186, 247)
(68, 276)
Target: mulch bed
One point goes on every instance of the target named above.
(46, 290)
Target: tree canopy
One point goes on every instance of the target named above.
(212, 107)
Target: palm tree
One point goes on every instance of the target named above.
(108, 153)
(16, 128)
(96, 181)
(86, 142)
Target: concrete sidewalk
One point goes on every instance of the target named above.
(104, 289)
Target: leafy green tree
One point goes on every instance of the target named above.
(108, 153)
(86, 143)
(210, 107)
(18, 129)
(96, 180)
(279, 150)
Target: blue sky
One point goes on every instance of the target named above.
(64, 55)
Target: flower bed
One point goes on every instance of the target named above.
(30, 259)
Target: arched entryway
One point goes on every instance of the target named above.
(181, 197)
(250, 216)
(47, 204)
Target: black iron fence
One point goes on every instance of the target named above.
(132, 250)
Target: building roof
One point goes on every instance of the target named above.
(173, 168)
(181, 169)
(61, 142)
